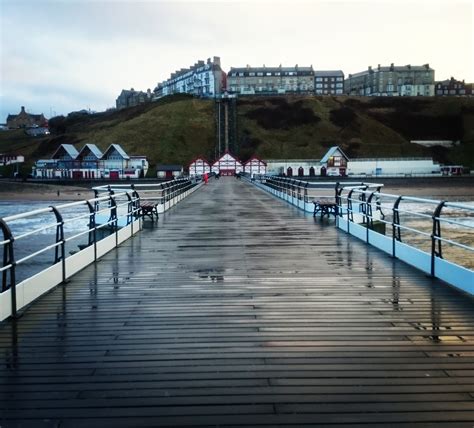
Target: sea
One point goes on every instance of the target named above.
(42, 231)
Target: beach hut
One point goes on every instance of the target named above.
(169, 171)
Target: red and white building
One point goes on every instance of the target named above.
(199, 166)
(227, 164)
(255, 166)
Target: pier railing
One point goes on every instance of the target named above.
(434, 236)
(44, 247)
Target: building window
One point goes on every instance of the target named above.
(319, 79)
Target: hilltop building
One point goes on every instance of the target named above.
(453, 87)
(26, 120)
(270, 80)
(131, 98)
(407, 80)
(91, 163)
(203, 79)
(328, 82)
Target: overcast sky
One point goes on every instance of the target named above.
(59, 56)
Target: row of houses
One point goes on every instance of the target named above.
(91, 163)
(207, 79)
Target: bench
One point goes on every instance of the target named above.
(325, 207)
(149, 209)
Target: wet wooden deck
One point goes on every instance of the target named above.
(238, 310)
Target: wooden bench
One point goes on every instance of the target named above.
(149, 209)
(325, 207)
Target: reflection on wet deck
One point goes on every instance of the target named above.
(239, 310)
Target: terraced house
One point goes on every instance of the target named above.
(328, 82)
(204, 79)
(407, 80)
(270, 80)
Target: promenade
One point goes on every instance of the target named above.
(237, 309)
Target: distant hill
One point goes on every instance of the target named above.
(179, 128)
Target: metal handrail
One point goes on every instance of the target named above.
(435, 218)
(117, 199)
(364, 202)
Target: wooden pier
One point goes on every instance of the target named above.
(235, 309)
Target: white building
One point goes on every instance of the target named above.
(11, 159)
(205, 79)
(392, 166)
(293, 167)
(199, 166)
(227, 165)
(91, 163)
(255, 166)
(335, 163)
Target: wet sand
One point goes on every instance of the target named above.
(20, 191)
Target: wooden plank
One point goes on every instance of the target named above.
(235, 309)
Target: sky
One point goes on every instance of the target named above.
(58, 56)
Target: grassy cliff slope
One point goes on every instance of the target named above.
(179, 128)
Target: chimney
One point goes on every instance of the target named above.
(217, 60)
(22, 109)
(248, 66)
(427, 66)
(409, 66)
(378, 67)
(209, 60)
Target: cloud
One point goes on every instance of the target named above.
(79, 53)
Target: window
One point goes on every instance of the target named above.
(241, 74)
(340, 79)
(268, 74)
(259, 73)
(319, 79)
(251, 74)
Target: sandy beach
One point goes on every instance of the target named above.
(20, 191)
